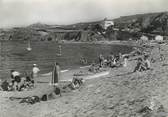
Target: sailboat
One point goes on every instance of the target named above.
(29, 47)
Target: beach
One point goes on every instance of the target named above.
(119, 94)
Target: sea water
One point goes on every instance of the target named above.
(14, 55)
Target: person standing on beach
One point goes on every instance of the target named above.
(55, 74)
(101, 60)
(35, 72)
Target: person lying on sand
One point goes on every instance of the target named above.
(37, 98)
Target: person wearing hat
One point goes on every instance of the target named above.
(35, 72)
(15, 76)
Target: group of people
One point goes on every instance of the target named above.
(21, 82)
(111, 61)
(142, 64)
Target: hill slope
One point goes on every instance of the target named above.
(149, 23)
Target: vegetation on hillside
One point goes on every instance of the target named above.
(124, 28)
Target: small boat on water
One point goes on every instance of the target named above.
(29, 46)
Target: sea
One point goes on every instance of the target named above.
(14, 55)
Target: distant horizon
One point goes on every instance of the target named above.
(19, 13)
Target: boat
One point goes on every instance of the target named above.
(29, 47)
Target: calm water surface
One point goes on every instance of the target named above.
(14, 55)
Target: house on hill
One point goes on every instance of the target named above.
(106, 23)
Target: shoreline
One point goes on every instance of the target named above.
(113, 42)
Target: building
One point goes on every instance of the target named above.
(107, 23)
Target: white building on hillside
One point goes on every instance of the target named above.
(107, 23)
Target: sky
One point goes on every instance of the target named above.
(26, 12)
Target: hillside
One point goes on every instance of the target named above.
(156, 23)
(127, 27)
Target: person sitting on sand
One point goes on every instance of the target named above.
(125, 61)
(140, 65)
(15, 75)
(92, 68)
(83, 61)
(111, 56)
(120, 59)
(113, 62)
(108, 61)
(76, 83)
(21, 84)
(147, 62)
(5, 85)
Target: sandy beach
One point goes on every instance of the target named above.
(120, 94)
